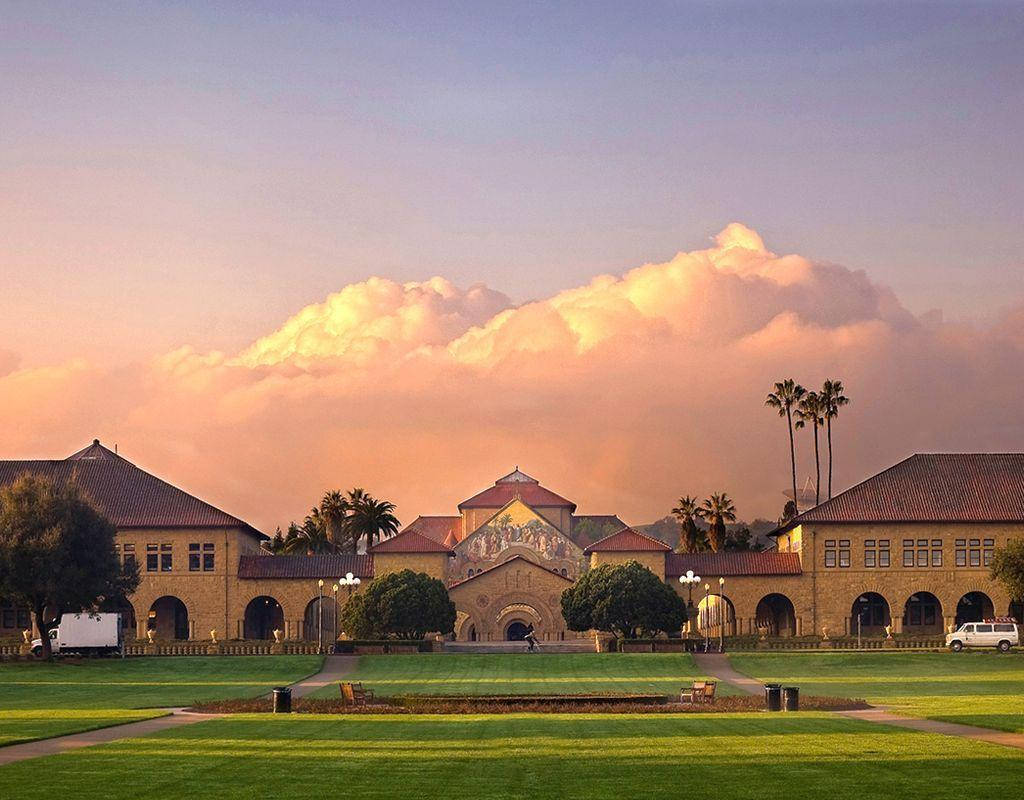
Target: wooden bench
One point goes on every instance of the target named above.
(353, 694)
(699, 692)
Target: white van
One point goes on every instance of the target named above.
(1001, 633)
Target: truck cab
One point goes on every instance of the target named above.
(1001, 633)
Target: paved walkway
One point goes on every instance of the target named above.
(717, 665)
(335, 668)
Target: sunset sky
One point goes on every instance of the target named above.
(271, 249)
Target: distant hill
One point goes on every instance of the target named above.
(667, 529)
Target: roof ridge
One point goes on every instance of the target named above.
(628, 529)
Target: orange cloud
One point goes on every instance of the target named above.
(623, 393)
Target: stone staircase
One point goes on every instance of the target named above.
(566, 646)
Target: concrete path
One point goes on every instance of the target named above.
(334, 669)
(717, 665)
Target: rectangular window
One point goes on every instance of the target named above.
(844, 552)
(166, 557)
(922, 558)
(936, 558)
(870, 557)
(986, 554)
(193, 557)
(830, 552)
(975, 558)
(983, 629)
(152, 557)
(908, 557)
(208, 553)
(129, 556)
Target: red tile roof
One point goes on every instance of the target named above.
(128, 496)
(437, 528)
(932, 487)
(627, 541)
(410, 541)
(734, 564)
(327, 567)
(516, 485)
(502, 564)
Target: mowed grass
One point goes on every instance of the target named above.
(39, 700)
(534, 756)
(975, 688)
(517, 673)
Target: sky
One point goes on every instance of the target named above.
(272, 249)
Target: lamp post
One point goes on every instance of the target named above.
(721, 615)
(320, 618)
(350, 582)
(688, 580)
(334, 641)
(707, 603)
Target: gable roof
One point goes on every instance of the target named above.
(128, 496)
(733, 563)
(437, 528)
(312, 567)
(516, 557)
(410, 541)
(627, 541)
(931, 487)
(516, 486)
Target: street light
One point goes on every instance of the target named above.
(688, 580)
(707, 604)
(721, 615)
(320, 618)
(334, 641)
(350, 583)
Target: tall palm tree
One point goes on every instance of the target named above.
(787, 395)
(811, 411)
(689, 534)
(717, 510)
(311, 538)
(334, 508)
(375, 519)
(832, 399)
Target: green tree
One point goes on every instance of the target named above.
(740, 539)
(311, 537)
(811, 411)
(717, 510)
(625, 599)
(405, 604)
(276, 545)
(832, 399)
(333, 510)
(370, 518)
(690, 536)
(1008, 568)
(787, 396)
(57, 552)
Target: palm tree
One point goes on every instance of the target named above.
(811, 410)
(334, 508)
(717, 510)
(311, 538)
(832, 399)
(689, 534)
(375, 519)
(787, 394)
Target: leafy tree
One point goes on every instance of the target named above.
(626, 599)
(404, 604)
(57, 552)
(690, 536)
(832, 399)
(741, 539)
(587, 531)
(811, 411)
(1008, 568)
(276, 545)
(787, 395)
(788, 512)
(717, 510)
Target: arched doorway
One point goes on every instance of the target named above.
(516, 631)
(922, 613)
(472, 633)
(974, 607)
(321, 620)
(713, 612)
(168, 618)
(263, 616)
(869, 615)
(775, 613)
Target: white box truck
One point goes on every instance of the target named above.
(85, 634)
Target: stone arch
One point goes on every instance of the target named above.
(513, 620)
(321, 626)
(776, 614)
(974, 606)
(263, 615)
(869, 614)
(467, 627)
(922, 614)
(168, 617)
(530, 607)
(715, 610)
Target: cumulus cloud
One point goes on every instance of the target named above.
(622, 393)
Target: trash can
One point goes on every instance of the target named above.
(773, 696)
(282, 700)
(791, 698)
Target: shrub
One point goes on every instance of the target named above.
(405, 604)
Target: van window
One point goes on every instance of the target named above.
(1004, 628)
(968, 629)
(984, 629)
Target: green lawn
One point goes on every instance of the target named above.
(976, 688)
(541, 673)
(42, 700)
(527, 756)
